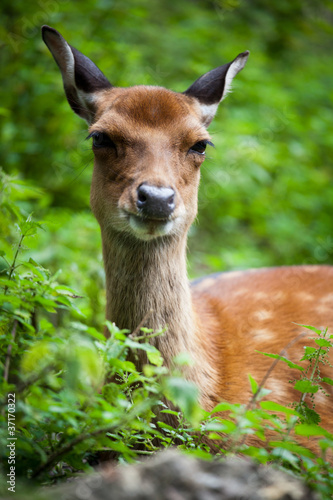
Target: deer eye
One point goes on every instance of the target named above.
(101, 140)
(200, 147)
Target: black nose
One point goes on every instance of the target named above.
(155, 202)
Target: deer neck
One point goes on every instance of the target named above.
(147, 285)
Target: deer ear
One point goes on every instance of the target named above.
(213, 86)
(82, 78)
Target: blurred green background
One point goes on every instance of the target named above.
(266, 196)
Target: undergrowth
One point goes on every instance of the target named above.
(68, 394)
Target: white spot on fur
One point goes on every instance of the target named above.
(230, 275)
(305, 297)
(327, 299)
(277, 388)
(312, 269)
(262, 314)
(325, 304)
(206, 283)
(242, 292)
(261, 334)
(260, 295)
(320, 398)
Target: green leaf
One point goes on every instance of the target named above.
(215, 425)
(35, 270)
(259, 454)
(5, 283)
(170, 412)
(282, 358)
(293, 447)
(183, 359)
(311, 430)
(327, 380)
(316, 330)
(306, 386)
(184, 394)
(32, 261)
(254, 384)
(48, 304)
(168, 427)
(224, 406)
(65, 290)
(197, 453)
(323, 342)
(38, 356)
(96, 334)
(285, 455)
(307, 415)
(215, 436)
(155, 357)
(272, 406)
(228, 426)
(310, 352)
(121, 447)
(126, 366)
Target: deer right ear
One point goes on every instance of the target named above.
(213, 86)
(81, 77)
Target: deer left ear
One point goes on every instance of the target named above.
(82, 78)
(213, 86)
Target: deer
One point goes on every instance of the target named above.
(148, 144)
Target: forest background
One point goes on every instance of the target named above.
(266, 195)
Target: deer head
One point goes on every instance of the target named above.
(148, 142)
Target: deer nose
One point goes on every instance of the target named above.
(155, 202)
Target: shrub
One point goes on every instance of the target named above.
(68, 394)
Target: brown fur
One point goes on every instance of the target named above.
(222, 321)
(152, 135)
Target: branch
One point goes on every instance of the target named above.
(271, 368)
(9, 352)
(141, 324)
(253, 399)
(69, 446)
(65, 449)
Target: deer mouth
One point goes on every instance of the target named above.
(148, 228)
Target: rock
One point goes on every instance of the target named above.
(171, 475)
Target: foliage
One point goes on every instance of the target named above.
(73, 394)
(265, 199)
(55, 367)
(266, 192)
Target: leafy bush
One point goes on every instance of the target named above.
(265, 199)
(78, 397)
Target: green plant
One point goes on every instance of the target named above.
(77, 394)
(53, 367)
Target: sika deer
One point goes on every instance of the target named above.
(149, 143)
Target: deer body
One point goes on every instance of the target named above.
(149, 143)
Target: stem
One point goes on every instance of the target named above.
(271, 368)
(316, 363)
(143, 452)
(12, 267)
(147, 337)
(22, 386)
(65, 449)
(9, 352)
(177, 430)
(251, 403)
(69, 446)
(140, 325)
